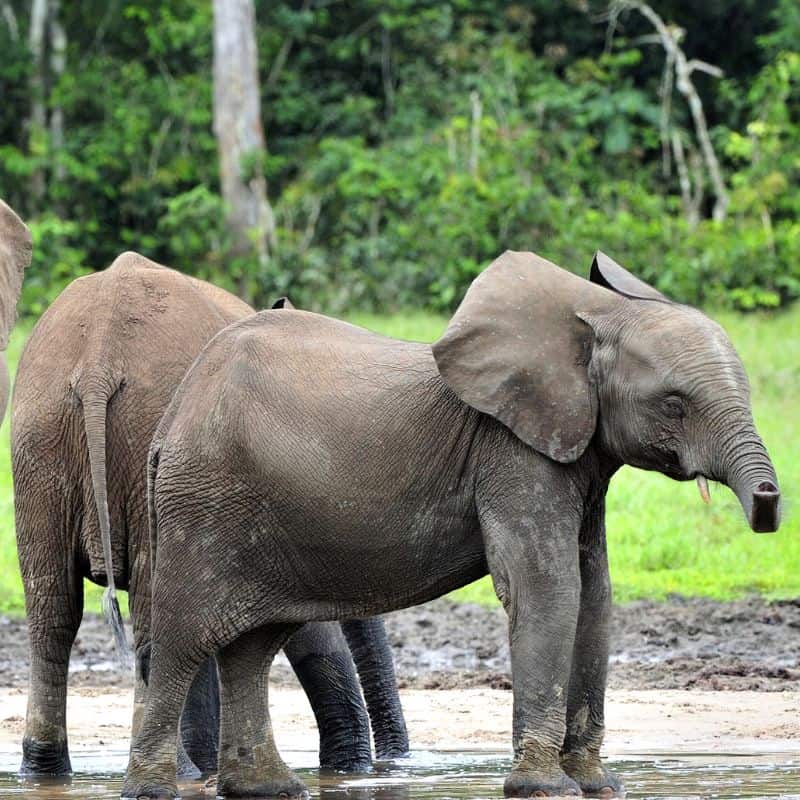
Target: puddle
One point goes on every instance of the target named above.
(440, 775)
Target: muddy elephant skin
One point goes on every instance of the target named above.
(94, 378)
(335, 472)
(16, 249)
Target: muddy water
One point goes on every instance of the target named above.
(438, 775)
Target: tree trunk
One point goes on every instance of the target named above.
(240, 136)
(38, 120)
(58, 62)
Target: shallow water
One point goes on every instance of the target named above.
(442, 775)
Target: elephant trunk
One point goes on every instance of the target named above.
(746, 468)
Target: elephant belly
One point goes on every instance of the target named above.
(356, 569)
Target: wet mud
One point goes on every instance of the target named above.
(436, 775)
(750, 644)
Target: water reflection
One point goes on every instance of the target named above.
(435, 775)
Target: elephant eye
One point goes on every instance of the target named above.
(674, 407)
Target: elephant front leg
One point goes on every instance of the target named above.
(321, 660)
(535, 573)
(200, 720)
(580, 757)
(372, 654)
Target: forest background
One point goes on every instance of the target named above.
(407, 144)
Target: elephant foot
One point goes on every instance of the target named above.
(345, 762)
(529, 783)
(390, 750)
(187, 770)
(590, 774)
(150, 777)
(151, 790)
(285, 787)
(44, 758)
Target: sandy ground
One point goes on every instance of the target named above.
(686, 677)
(639, 722)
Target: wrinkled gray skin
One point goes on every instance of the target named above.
(334, 472)
(95, 377)
(15, 256)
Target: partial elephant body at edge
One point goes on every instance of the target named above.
(15, 257)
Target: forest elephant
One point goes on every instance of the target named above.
(95, 377)
(352, 474)
(15, 257)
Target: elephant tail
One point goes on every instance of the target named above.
(152, 470)
(94, 420)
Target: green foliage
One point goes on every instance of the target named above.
(410, 143)
(59, 259)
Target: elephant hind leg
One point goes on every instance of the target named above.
(249, 762)
(152, 766)
(54, 607)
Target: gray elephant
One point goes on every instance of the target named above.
(95, 377)
(335, 472)
(15, 257)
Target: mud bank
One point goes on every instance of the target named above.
(747, 645)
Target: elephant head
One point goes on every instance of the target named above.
(15, 256)
(563, 362)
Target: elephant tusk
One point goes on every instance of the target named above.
(702, 485)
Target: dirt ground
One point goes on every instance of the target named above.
(687, 675)
(638, 722)
(746, 645)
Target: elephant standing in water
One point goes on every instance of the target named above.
(353, 474)
(95, 377)
(15, 257)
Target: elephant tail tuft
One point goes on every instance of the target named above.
(113, 617)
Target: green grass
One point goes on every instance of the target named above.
(662, 539)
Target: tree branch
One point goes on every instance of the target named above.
(671, 37)
(11, 19)
(281, 56)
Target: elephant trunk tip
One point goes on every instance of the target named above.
(765, 514)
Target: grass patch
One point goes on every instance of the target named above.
(662, 539)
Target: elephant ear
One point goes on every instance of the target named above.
(516, 350)
(606, 272)
(16, 249)
(282, 302)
